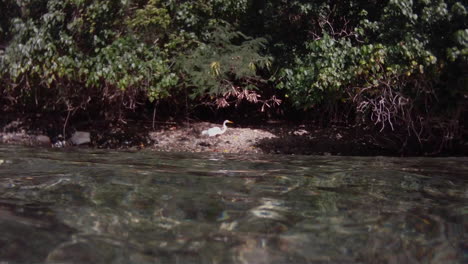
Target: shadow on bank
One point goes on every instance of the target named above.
(355, 141)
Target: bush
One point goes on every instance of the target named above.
(391, 63)
(70, 54)
(76, 53)
(220, 69)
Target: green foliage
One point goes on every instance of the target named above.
(392, 64)
(125, 49)
(151, 21)
(79, 49)
(324, 71)
(216, 66)
(128, 64)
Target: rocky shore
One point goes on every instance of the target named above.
(276, 138)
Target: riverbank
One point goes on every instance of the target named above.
(268, 138)
(271, 139)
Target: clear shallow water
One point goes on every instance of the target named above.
(89, 206)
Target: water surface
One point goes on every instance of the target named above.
(92, 206)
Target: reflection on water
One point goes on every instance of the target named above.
(87, 206)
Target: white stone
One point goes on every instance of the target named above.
(80, 137)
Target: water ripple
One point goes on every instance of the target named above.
(145, 207)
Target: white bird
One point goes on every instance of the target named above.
(214, 131)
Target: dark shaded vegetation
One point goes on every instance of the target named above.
(399, 67)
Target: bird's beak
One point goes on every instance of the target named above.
(230, 122)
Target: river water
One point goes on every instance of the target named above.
(92, 206)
